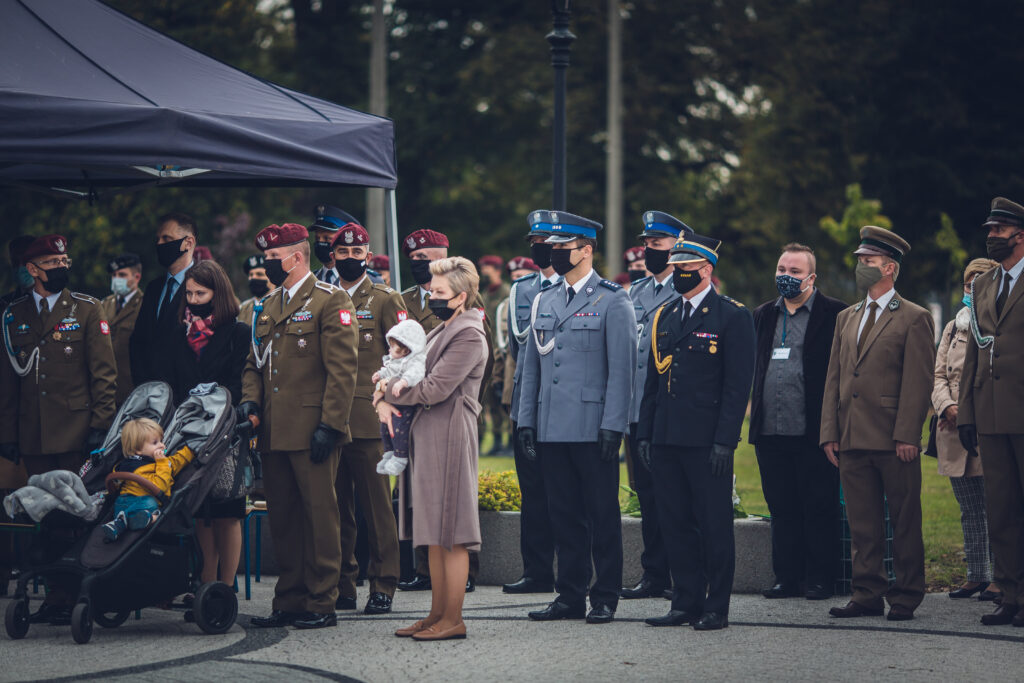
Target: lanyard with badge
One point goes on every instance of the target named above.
(782, 352)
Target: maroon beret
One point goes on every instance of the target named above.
(276, 235)
(351, 235)
(633, 254)
(521, 263)
(424, 239)
(202, 254)
(622, 278)
(47, 245)
(491, 260)
(380, 262)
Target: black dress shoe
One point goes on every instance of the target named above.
(990, 596)
(317, 621)
(962, 592)
(675, 617)
(817, 591)
(854, 609)
(379, 603)
(343, 603)
(527, 585)
(900, 613)
(782, 590)
(600, 614)
(470, 584)
(711, 621)
(277, 619)
(416, 583)
(645, 588)
(1003, 615)
(558, 610)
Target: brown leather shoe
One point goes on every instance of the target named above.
(1003, 615)
(408, 631)
(854, 609)
(430, 633)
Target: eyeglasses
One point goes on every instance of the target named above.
(56, 262)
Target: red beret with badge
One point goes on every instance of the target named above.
(380, 262)
(47, 245)
(491, 260)
(424, 239)
(275, 235)
(351, 235)
(521, 263)
(634, 254)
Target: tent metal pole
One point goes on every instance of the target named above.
(391, 221)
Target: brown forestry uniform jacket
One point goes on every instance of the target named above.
(310, 373)
(880, 396)
(52, 408)
(378, 309)
(121, 325)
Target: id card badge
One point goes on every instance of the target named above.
(781, 353)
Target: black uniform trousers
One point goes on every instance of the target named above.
(653, 559)
(696, 516)
(583, 501)
(801, 488)
(536, 540)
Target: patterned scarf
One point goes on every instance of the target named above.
(198, 331)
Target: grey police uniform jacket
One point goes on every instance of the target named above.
(645, 304)
(579, 362)
(518, 321)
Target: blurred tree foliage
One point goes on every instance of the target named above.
(751, 121)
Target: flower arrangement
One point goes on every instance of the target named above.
(499, 491)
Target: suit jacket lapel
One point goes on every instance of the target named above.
(584, 297)
(299, 299)
(1014, 296)
(362, 293)
(60, 310)
(814, 321)
(698, 313)
(882, 319)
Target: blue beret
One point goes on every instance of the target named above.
(659, 223)
(563, 226)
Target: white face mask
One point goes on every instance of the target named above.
(119, 286)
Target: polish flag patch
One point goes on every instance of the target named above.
(104, 327)
(345, 317)
(483, 314)
(403, 315)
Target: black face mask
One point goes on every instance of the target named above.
(685, 280)
(635, 275)
(323, 252)
(200, 310)
(1000, 248)
(169, 252)
(439, 307)
(350, 269)
(258, 287)
(655, 260)
(421, 272)
(275, 272)
(56, 279)
(561, 260)
(541, 254)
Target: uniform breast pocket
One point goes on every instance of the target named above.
(545, 328)
(71, 345)
(298, 340)
(585, 333)
(367, 332)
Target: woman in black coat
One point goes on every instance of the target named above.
(213, 349)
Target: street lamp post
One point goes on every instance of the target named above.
(560, 39)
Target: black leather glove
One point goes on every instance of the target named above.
(643, 453)
(323, 443)
(528, 442)
(721, 460)
(10, 452)
(94, 440)
(247, 408)
(968, 439)
(608, 443)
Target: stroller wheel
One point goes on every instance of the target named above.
(81, 623)
(112, 619)
(215, 608)
(16, 619)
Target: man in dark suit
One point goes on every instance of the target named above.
(694, 401)
(157, 327)
(794, 341)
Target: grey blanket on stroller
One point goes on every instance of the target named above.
(56, 490)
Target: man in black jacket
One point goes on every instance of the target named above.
(794, 341)
(157, 329)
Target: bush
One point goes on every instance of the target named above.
(499, 491)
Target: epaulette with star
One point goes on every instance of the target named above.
(526, 277)
(85, 297)
(735, 303)
(382, 287)
(327, 287)
(614, 286)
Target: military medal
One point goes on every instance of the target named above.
(704, 310)
(713, 348)
(56, 336)
(302, 343)
(68, 350)
(368, 337)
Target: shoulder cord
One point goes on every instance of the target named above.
(983, 342)
(264, 356)
(660, 364)
(499, 314)
(33, 359)
(519, 334)
(542, 349)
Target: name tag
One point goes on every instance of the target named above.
(781, 353)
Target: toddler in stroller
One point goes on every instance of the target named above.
(142, 444)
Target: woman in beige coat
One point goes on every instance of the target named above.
(964, 471)
(444, 447)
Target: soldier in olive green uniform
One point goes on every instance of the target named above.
(120, 310)
(259, 286)
(494, 290)
(58, 388)
(378, 309)
(297, 387)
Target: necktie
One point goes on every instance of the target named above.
(657, 290)
(330, 277)
(686, 312)
(172, 284)
(120, 303)
(868, 324)
(1005, 292)
(545, 284)
(572, 293)
(44, 308)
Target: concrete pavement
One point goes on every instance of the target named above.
(787, 640)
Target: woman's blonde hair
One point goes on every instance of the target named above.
(977, 267)
(460, 273)
(135, 432)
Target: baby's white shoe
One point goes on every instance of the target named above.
(395, 466)
(382, 465)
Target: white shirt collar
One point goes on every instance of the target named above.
(695, 301)
(663, 281)
(129, 295)
(179, 277)
(1014, 272)
(424, 293)
(293, 290)
(352, 290)
(579, 283)
(51, 300)
(882, 301)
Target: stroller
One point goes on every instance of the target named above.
(145, 567)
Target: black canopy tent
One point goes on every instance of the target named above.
(92, 99)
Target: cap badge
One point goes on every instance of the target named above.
(320, 211)
(423, 240)
(411, 242)
(59, 246)
(113, 265)
(348, 237)
(553, 216)
(536, 217)
(262, 241)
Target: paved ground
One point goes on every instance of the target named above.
(790, 640)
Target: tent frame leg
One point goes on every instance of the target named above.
(391, 226)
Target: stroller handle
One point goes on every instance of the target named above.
(112, 482)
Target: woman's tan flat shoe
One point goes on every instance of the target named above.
(431, 633)
(415, 628)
